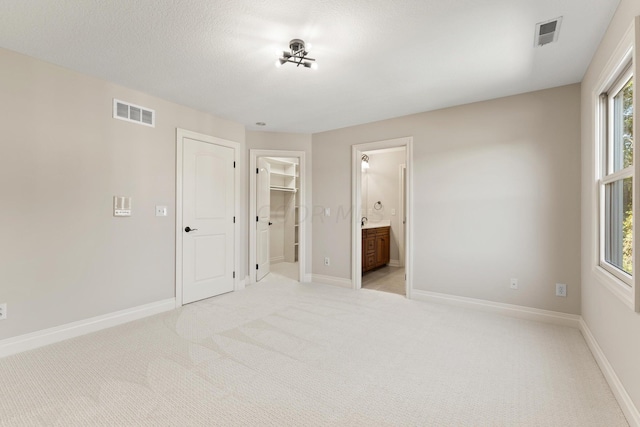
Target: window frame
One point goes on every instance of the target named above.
(623, 55)
(606, 118)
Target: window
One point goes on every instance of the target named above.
(616, 184)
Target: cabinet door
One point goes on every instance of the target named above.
(381, 241)
(371, 262)
(386, 249)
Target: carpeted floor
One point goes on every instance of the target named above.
(287, 269)
(287, 354)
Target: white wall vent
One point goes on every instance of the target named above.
(133, 113)
(547, 32)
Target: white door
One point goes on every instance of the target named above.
(207, 220)
(263, 206)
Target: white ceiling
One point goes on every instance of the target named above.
(377, 58)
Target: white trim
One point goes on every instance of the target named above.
(617, 176)
(356, 192)
(401, 219)
(511, 310)
(624, 400)
(395, 263)
(384, 150)
(56, 334)
(330, 280)
(617, 287)
(302, 220)
(180, 135)
(277, 260)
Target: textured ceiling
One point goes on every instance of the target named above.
(377, 58)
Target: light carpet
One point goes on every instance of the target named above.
(287, 354)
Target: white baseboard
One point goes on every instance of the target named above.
(394, 263)
(242, 284)
(276, 260)
(48, 336)
(330, 280)
(518, 311)
(307, 278)
(624, 400)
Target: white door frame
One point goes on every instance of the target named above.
(402, 190)
(302, 223)
(356, 192)
(180, 135)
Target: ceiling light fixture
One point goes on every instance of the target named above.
(297, 55)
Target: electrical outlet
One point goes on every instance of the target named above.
(3, 311)
(514, 283)
(326, 261)
(561, 290)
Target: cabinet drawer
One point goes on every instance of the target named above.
(371, 261)
(370, 245)
(382, 230)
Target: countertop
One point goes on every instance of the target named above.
(377, 224)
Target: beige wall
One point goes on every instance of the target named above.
(614, 325)
(288, 142)
(64, 256)
(497, 195)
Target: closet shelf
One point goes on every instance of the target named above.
(286, 189)
(286, 175)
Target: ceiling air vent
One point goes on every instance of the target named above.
(547, 32)
(133, 113)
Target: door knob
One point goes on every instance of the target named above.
(270, 223)
(188, 229)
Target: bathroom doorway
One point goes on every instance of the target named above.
(381, 219)
(382, 204)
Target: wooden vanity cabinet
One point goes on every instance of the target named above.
(375, 247)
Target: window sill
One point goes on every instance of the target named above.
(620, 289)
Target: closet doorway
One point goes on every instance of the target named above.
(277, 206)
